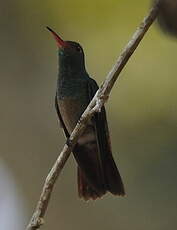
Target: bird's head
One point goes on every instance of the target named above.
(70, 53)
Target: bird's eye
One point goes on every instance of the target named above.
(78, 49)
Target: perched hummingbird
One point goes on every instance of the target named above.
(97, 171)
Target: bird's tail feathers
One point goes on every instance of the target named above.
(113, 182)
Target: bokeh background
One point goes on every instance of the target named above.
(142, 113)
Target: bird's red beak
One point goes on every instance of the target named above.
(59, 41)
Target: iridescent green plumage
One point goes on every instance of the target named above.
(97, 171)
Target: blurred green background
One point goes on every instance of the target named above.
(142, 111)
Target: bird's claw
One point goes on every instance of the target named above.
(68, 142)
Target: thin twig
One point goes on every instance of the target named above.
(95, 105)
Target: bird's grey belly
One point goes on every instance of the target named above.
(71, 110)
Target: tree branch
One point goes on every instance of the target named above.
(95, 106)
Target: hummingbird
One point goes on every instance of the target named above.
(97, 173)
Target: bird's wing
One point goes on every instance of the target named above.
(100, 123)
(60, 118)
(112, 177)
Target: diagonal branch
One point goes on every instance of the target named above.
(95, 105)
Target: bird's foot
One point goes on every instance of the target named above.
(68, 142)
